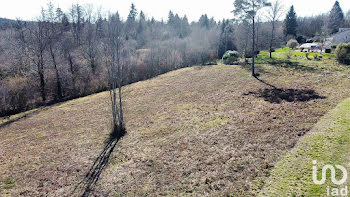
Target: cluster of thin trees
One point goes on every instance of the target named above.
(63, 55)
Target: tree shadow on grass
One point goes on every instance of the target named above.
(277, 95)
(101, 162)
(258, 69)
(21, 117)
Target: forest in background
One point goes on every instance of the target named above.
(63, 55)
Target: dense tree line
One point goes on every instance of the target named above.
(63, 55)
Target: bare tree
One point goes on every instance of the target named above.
(67, 51)
(68, 45)
(90, 39)
(34, 43)
(248, 9)
(76, 14)
(274, 13)
(53, 36)
(113, 59)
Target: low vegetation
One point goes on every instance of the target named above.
(343, 53)
(292, 44)
(230, 57)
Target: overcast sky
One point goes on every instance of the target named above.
(29, 9)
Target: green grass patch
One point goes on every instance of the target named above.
(287, 54)
(217, 122)
(8, 183)
(328, 143)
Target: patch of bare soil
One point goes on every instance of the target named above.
(202, 131)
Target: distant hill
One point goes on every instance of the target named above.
(5, 21)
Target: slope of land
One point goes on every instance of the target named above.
(327, 143)
(211, 130)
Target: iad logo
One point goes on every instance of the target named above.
(331, 191)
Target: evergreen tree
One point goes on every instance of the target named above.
(336, 18)
(65, 23)
(59, 14)
(99, 27)
(204, 21)
(131, 23)
(142, 16)
(185, 27)
(171, 18)
(142, 23)
(226, 37)
(212, 22)
(290, 23)
(133, 13)
(141, 29)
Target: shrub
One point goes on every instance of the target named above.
(249, 54)
(230, 57)
(18, 91)
(292, 43)
(328, 51)
(343, 53)
(301, 39)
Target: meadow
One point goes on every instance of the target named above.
(204, 130)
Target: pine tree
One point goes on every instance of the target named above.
(142, 23)
(141, 37)
(171, 18)
(204, 21)
(290, 23)
(131, 23)
(185, 27)
(336, 18)
(133, 13)
(99, 27)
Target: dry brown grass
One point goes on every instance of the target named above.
(192, 132)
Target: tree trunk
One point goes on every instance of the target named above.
(70, 61)
(58, 81)
(120, 81)
(272, 38)
(41, 77)
(253, 60)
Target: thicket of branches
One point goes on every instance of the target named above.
(64, 55)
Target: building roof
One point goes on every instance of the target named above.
(343, 29)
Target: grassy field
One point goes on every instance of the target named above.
(197, 131)
(327, 143)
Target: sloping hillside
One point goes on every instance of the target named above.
(197, 131)
(328, 143)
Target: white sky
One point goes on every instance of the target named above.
(29, 9)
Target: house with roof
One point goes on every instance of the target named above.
(343, 36)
